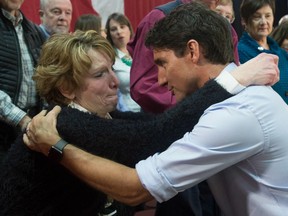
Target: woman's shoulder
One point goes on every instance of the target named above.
(245, 40)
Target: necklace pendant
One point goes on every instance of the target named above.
(127, 60)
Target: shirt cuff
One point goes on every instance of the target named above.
(153, 180)
(16, 115)
(9, 112)
(228, 82)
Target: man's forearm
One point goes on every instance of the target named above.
(116, 180)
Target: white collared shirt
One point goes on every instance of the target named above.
(240, 146)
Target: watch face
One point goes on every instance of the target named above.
(55, 154)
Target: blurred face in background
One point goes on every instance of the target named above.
(56, 16)
(120, 33)
(261, 23)
(212, 4)
(226, 11)
(284, 45)
(11, 5)
(103, 32)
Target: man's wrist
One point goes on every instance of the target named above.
(24, 122)
(56, 151)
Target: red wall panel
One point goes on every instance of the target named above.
(31, 7)
(135, 10)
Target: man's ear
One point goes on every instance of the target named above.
(66, 93)
(193, 50)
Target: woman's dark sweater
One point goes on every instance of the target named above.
(31, 184)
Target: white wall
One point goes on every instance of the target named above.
(107, 7)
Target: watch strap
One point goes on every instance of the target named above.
(56, 151)
(60, 145)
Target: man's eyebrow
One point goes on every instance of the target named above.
(58, 8)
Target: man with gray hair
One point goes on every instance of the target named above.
(55, 16)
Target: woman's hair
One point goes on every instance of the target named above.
(122, 19)
(88, 22)
(249, 7)
(64, 62)
(280, 33)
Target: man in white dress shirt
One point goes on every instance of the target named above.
(239, 145)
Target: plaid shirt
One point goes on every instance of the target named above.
(27, 94)
(9, 112)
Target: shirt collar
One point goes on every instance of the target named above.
(15, 20)
(230, 67)
(77, 106)
(47, 34)
(119, 53)
(80, 108)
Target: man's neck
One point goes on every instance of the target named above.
(215, 70)
(210, 71)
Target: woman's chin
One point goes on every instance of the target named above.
(112, 99)
(112, 103)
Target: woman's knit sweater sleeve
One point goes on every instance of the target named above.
(127, 139)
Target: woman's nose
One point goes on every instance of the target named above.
(114, 79)
(263, 20)
(119, 30)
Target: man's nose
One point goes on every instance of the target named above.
(63, 16)
(161, 77)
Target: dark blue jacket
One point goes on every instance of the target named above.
(248, 48)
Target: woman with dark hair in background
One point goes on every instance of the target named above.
(258, 18)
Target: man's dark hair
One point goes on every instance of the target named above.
(193, 21)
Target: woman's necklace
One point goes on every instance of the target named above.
(108, 116)
(127, 60)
